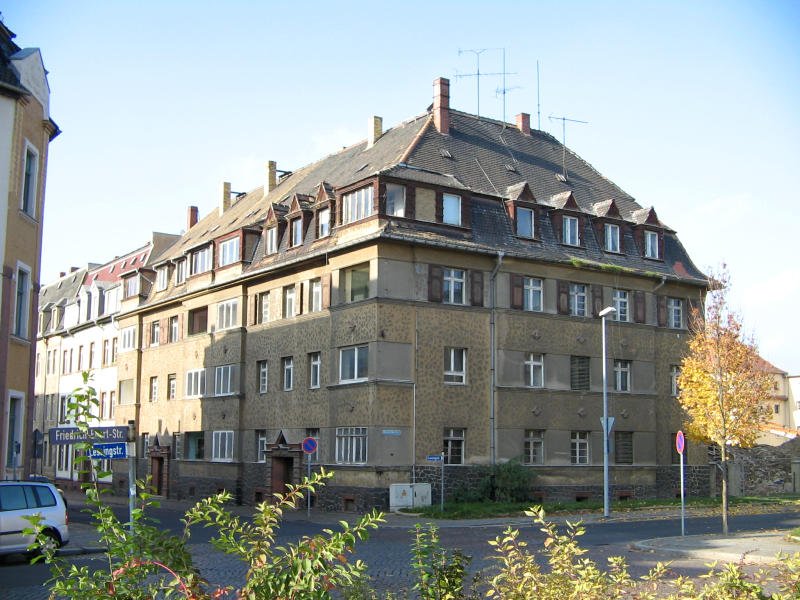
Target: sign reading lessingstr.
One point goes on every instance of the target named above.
(109, 451)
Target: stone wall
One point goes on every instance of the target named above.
(761, 470)
(697, 480)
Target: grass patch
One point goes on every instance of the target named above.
(486, 509)
(795, 533)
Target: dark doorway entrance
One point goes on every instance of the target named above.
(157, 471)
(281, 473)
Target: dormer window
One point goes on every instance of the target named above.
(357, 205)
(569, 231)
(201, 260)
(525, 222)
(131, 287)
(229, 252)
(180, 271)
(272, 240)
(324, 221)
(297, 232)
(651, 244)
(451, 209)
(395, 200)
(611, 237)
(161, 279)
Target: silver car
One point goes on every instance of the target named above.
(19, 499)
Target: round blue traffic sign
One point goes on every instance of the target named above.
(309, 445)
(680, 442)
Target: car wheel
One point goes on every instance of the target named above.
(50, 540)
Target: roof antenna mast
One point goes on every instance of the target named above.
(538, 102)
(477, 74)
(503, 90)
(564, 121)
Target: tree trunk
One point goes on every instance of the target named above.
(724, 465)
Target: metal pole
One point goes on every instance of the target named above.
(131, 472)
(683, 502)
(441, 500)
(606, 509)
(308, 491)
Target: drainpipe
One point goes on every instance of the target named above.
(493, 350)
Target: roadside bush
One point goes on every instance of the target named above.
(504, 482)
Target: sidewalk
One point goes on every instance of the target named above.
(758, 548)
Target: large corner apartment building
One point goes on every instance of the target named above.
(26, 130)
(432, 289)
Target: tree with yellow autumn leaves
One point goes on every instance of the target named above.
(722, 383)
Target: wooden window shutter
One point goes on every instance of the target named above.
(639, 313)
(662, 311)
(558, 225)
(411, 201)
(600, 232)
(326, 290)
(517, 300)
(563, 297)
(298, 300)
(466, 212)
(597, 299)
(476, 287)
(439, 207)
(146, 335)
(638, 236)
(661, 245)
(435, 283)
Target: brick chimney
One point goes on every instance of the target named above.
(524, 123)
(225, 200)
(272, 177)
(441, 104)
(375, 130)
(191, 217)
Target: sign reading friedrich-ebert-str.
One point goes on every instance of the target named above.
(63, 436)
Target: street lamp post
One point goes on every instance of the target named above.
(606, 429)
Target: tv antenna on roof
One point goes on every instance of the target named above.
(564, 121)
(477, 74)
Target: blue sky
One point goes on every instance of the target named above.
(692, 107)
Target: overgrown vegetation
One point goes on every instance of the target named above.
(144, 562)
(505, 482)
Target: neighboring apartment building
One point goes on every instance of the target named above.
(433, 289)
(783, 408)
(78, 332)
(26, 130)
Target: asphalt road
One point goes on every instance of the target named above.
(387, 552)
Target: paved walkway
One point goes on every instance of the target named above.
(759, 548)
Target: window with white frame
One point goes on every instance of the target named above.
(172, 386)
(351, 445)
(451, 209)
(674, 313)
(324, 223)
(453, 446)
(611, 237)
(22, 306)
(525, 225)
(263, 307)
(453, 281)
(272, 240)
(153, 389)
(579, 448)
(225, 380)
(195, 383)
(288, 302)
(357, 205)
(622, 375)
(194, 443)
(674, 373)
(534, 447)
(358, 282)
(288, 373)
(577, 299)
(316, 295)
(132, 286)
(261, 445)
(534, 370)
(297, 232)
(155, 333)
(180, 271)
(532, 294)
(162, 277)
(262, 372)
(353, 364)
(455, 365)
(314, 369)
(569, 231)
(174, 329)
(128, 337)
(229, 252)
(395, 200)
(114, 350)
(201, 260)
(30, 177)
(222, 446)
(620, 299)
(650, 244)
(228, 314)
